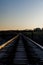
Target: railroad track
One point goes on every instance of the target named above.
(21, 51)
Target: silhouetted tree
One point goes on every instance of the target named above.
(37, 29)
(42, 29)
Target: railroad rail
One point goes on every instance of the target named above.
(21, 50)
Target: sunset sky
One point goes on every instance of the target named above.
(21, 14)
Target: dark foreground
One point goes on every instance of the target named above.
(21, 51)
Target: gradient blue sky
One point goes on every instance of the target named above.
(21, 14)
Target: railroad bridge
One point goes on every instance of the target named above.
(21, 50)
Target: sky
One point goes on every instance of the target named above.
(21, 14)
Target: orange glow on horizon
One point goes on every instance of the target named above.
(14, 28)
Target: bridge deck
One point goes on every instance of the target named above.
(21, 51)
